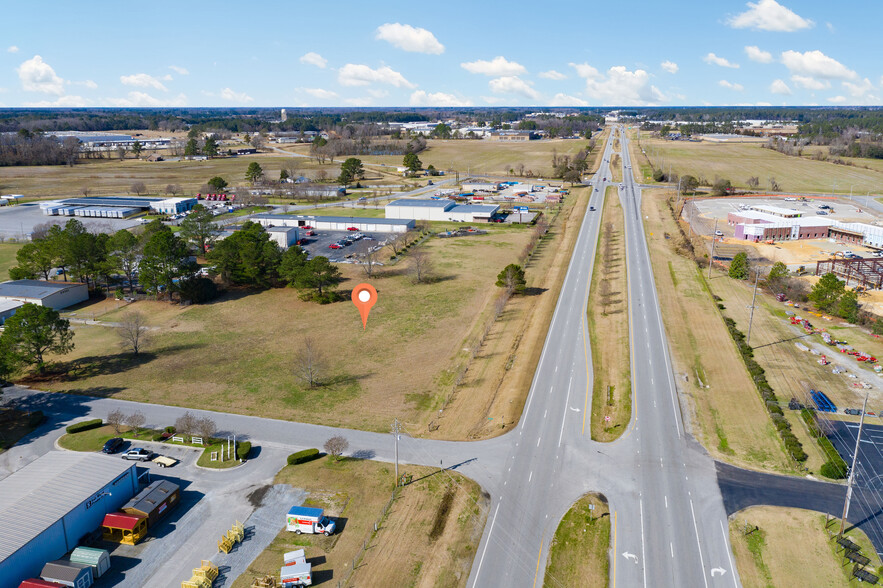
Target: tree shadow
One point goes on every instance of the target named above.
(101, 365)
(532, 291)
(361, 454)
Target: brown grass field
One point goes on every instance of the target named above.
(401, 553)
(608, 319)
(725, 409)
(791, 547)
(739, 161)
(578, 556)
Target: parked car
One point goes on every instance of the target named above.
(334, 246)
(824, 206)
(138, 454)
(822, 212)
(853, 411)
(352, 228)
(112, 445)
(719, 233)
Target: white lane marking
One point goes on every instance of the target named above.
(545, 412)
(484, 551)
(643, 553)
(564, 418)
(666, 501)
(530, 477)
(538, 441)
(729, 556)
(670, 544)
(698, 544)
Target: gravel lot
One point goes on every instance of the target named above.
(17, 222)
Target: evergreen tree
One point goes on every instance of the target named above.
(34, 331)
(739, 267)
(827, 292)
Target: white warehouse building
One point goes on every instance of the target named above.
(55, 295)
(335, 223)
(441, 210)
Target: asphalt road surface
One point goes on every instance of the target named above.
(669, 523)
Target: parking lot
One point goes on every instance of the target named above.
(319, 244)
(18, 222)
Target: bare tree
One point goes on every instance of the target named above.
(397, 242)
(205, 427)
(116, 419)
(173, 189)
(133, 332)
(257, 141)
(186, 424)
(335, 446)
(421, 266)
(753, 182)
(136, 420)
(290, 166)
(321, 175)
(369, 262)
(121, 153)
(138, 188)
(85, 191)
(774, 185)
(309, 362)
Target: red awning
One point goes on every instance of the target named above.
(121, 520)
(38, 583)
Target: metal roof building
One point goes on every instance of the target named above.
(52, 294)
(440, 210)
(49, 505)
(335, 223)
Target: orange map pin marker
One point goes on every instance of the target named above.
(364, 297)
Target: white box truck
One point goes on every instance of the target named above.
(296, 575)
(294, 557)
(303, 519)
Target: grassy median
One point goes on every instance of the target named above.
(578, 556)
(608, 320)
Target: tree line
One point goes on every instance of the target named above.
(27, 148)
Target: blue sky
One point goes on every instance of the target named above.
(295, 53)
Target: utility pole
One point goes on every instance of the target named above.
(751, 314)
(713, 239)
(395, 432)
(852, 470)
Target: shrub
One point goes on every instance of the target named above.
(159, 437)
(303, 456)
(84, 426)
(833, 470)
(170, 429)
(243, 449)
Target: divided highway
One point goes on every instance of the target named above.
(668, 518)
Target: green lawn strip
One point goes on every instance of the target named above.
(7, 258)
(94, 439)
(205, 460)
(578, 555)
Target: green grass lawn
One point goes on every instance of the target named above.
(578, 554)
(7, 258)
(94, 439)
(205, 460)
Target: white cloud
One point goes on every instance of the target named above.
(314, 59)
(567, 100)
(38, 76)
(352, 74)
(621, 87)
(810, 83)
(730, 86)
(830, 27)
(143, 99)
(837, 99)
(584, 70)
(763, 104)
(757, 54)
(377, 92)
(63, 101)
(780, 87)
(816, 64)
(12, 49)
(319, 93)
(358, 102)
(769, 15)
(167, 78)
(179, 70)
(513, 85)
(408, 38)
(713, 59)
(143, 80)
(421, 98)
(498, 66)
(552, 75)
(492, 99)
(862, 92)
(87, 83)
(233, 96)
(670, 66)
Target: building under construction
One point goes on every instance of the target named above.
(867, 273)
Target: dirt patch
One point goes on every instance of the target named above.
(608, 320)
(792, 547)
(256, 496)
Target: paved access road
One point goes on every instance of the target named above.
(669, 524)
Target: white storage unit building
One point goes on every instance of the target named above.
(285, 237)
(47, 506)
(480, 187)
(52, 294)
(417, 209)
(8, 308)
(335, 223)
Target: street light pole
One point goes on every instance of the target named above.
(395, 432)
(713, 240)
(751, 314)
(858, 439)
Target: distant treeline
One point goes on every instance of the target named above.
(25, 148)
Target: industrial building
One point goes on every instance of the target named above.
(335, 223)
(284, 237)
(480, 187)
(47, 506)
(115, 207)
(55, 295)
(8, 308)
(440, 210)
(764, 223)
